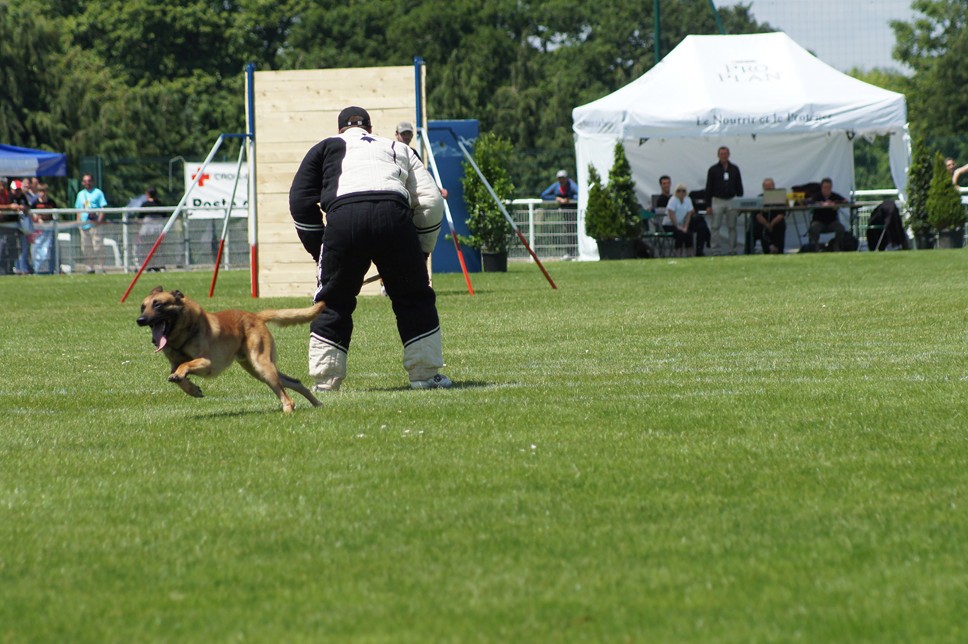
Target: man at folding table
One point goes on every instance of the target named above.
(826, 218)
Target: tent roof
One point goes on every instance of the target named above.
(25, 162)
(740, 85)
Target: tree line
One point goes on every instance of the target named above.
(138, 83)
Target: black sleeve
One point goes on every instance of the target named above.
(304, 200)
(739, 182)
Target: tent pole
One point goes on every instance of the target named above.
(719, 22)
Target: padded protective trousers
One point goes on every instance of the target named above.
(356, 234)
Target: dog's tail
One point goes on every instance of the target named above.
(288, 317)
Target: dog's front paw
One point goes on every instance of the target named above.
(187, 386)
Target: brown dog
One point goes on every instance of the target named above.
(196, 342)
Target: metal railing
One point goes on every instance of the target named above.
(551, 232)
(127, 235)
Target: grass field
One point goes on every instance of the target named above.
(726, 449)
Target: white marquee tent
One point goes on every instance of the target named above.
(782, 112)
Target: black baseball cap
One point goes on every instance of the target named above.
(353, 115)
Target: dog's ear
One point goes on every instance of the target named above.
(156, 290)
(178, 295)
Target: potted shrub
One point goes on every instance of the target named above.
(490, 232)
(945, 211)
(612, 212)
(919, 183)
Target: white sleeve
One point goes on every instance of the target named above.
(427, 203)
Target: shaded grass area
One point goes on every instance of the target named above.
(729, 449)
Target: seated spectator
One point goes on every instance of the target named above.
(564, 191)
(825, 217)
(679, 213)
(661, 200)
(769, 226)
(656, 216)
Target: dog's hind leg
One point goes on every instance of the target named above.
(291, 383)
(270, 375)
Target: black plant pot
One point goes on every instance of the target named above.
(924, 240)
(494, 262)
(951, 238)
(616, 248)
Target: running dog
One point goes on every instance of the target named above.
(205, 344)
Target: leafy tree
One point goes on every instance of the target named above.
(600, 222)
(519, 68)
(489, 229)
(919, 184)
(136, 82)
(622, 190)
(935, 46)
(612, 211)
(872, 168)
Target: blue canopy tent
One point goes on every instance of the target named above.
(24, 162)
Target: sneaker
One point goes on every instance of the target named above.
(439, 381)
(323, 389)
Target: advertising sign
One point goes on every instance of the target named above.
(215, 188)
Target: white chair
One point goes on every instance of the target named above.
(66, 251)
(113, 245)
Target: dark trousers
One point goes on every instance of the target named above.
(681, 238)
(382, 232)
(767, 238)
(699, 228)
(9, 249)
(818, 227)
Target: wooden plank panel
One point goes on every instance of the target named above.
(307, 128)
(294, 110)
(335, 75)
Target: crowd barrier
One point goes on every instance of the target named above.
(193, 241)
(127, 235)
(551, 232)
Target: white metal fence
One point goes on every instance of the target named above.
(127, 236)
(551, 232)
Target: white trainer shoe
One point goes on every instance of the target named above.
(439, 381)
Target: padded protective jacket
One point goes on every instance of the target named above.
(358, 166)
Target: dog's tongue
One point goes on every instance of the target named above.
(158, 337)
